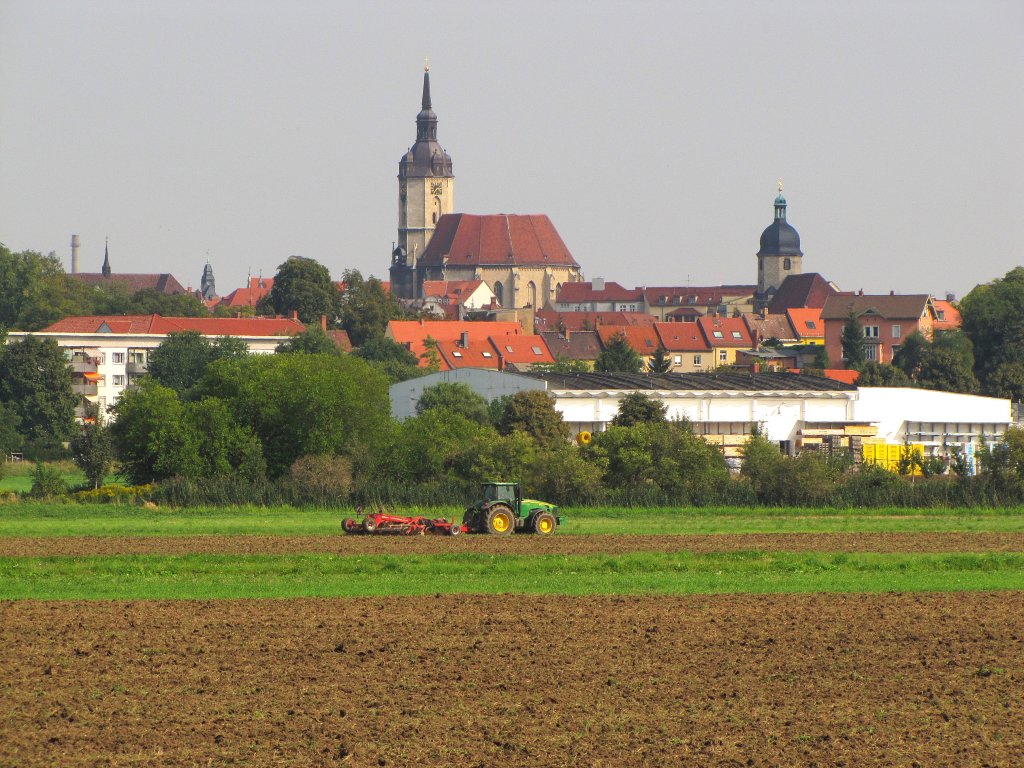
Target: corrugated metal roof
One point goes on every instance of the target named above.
(724, 382)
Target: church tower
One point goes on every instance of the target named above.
(779, 257)
(426, 191)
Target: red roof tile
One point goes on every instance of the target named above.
(947, 317)
(466, 239)
(643, 339)
(807, 322)
(413, 333)
(798, 291)
(574, 345)
(673, 296)
(725, 331)
(550, 320)
(155, 324)
(682, 337)
(521, 349)
(573, 293)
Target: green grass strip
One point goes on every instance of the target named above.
(48, 520)
(265, 576)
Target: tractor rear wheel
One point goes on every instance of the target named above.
(500, 520)
(349, 525)
(544, 523)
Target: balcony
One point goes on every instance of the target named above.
(82, 363)
(86, 389)
(137, 367)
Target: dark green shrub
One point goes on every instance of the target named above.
(47, 481)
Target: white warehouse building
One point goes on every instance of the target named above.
(796, 411)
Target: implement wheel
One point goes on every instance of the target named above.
(500, 520)
(349, 525)
(370, 525)
(544, 524)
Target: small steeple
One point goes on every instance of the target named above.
(780, 204)
(426, 84)
(106, 258)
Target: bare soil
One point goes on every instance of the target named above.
(779, 680)
(523, 545)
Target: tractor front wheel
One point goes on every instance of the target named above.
(544, 524)
(500, 520)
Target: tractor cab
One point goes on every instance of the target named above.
(507, 492)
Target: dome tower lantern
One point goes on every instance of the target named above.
(779, 256)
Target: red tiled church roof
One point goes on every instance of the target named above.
(470, 240)
(156, 324)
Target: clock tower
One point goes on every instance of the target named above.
(426, 191)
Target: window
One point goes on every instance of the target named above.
(870, 331)
(486, 354)
(737, 335)
(118, 380)
(696, 359)
(508, 348)
(117, 358)
(137, 357)
(537, 350)
(810, 324)
(871, 353)
(456, 353)
(896, 331)
(648, 342)
(678, 359)
(940, 314)
(787, 264)
(717, 334)
(723, 356)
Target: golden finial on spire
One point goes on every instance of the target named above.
(426, 63)
(780, 185)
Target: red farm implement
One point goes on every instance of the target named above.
(381, 522)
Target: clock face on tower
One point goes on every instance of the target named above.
(436, 187)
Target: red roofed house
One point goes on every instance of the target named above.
(885, 319)
(664, 303)
(642, 338)
(686, 346)
(413, 334)
(550, 320)
(581, 346)
(451, 298)
(598, 296)
(522, 259)
(947, 316)
(514, 352)
(109, 352)
(725, 335)
(257, 288)
(807, 324)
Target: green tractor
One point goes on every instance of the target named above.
(502, 510)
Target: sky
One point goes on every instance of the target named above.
(653, 134)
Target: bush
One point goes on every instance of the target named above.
(120, 495)
(320, 480)
(47, 481)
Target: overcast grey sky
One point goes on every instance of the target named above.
(651, 133)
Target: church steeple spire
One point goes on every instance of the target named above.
(426, 84)
(106, 259)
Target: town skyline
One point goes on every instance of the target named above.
(249, 133)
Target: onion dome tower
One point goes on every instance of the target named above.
(780, 255)
(426, 191)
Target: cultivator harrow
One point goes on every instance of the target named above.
(381, 522)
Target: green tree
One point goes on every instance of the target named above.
(821, 361)
(35, 382)
(303, 285)
(10, 423)
(762, 465)
(1007, 381)
(993, 319)
(180, 360)
(455, 397)
(300, 405)
(618, 357)
(93, 452)
(534, 412)
(638, 408)
(397, 362)
(660, 361)
(882, 375)
(153, 439)
(911, 354)
(312, 341)
(946, 370)
(366, 307)
(854, 347)
(35, 291)
(150, 301)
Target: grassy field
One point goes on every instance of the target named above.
(44, 520)
(280, 576)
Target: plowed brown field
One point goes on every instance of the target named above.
(791, 680)
(520, 545)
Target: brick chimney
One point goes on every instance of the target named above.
(323, 323)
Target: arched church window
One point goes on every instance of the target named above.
(786, 264)
(437, 209)
(531, 294)
(499, 293)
